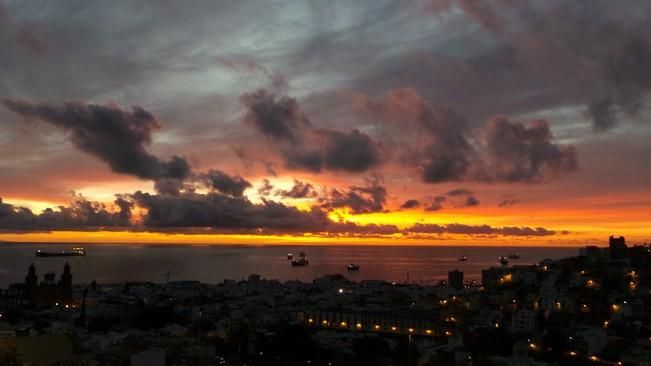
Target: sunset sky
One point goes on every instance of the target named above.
(429, 122)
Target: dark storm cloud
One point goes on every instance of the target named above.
(519, 153)
(431, 138)
(410, 204)
(358, 199)
(352, 152)
(81, 214)
(169, 185)
(227, 213)
(436, 204)
(279, 119)
(459, 197)
(590, 53)
(169, 213)
(298, 190)
(302, 146)
(442, 146)
(479, 230)
(266, 188)
(224, 183)
(116, 136)
(216, 210)
(186, 211)
(471, 201)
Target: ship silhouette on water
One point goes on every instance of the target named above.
(353, 267)
(75, 252)
(301, 261)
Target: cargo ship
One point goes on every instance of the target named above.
(75, 252)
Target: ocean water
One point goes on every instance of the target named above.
(111, 263)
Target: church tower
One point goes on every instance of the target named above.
(66, 281)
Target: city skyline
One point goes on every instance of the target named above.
(423, 123)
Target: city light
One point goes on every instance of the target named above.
(590, 283)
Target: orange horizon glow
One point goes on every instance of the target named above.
(131, 237)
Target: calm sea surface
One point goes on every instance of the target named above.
(212, 264)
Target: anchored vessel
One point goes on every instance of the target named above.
(353, 267)
(463, 258)
(75, 252)
(302, 261)
(514, 256)
(504, 261)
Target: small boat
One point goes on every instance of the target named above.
(504, 261)
(290, 256)
(463, 258)
(514, 256)
(75, 252)
(353, 267)
(302, 261)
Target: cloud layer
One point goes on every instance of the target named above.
(116, 136)
(303, 146)
(218, 213)
(441, 145)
